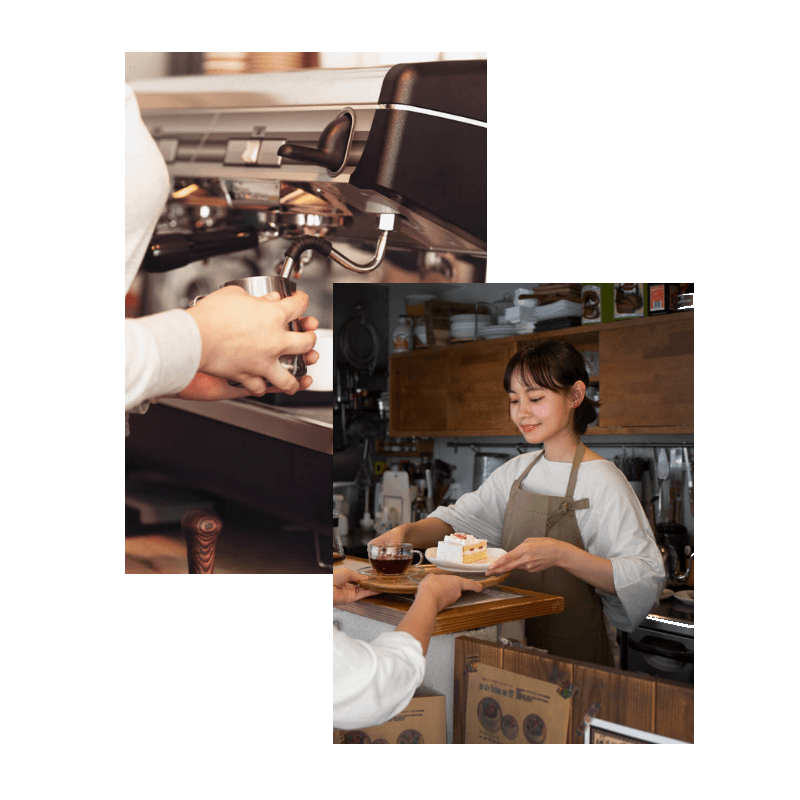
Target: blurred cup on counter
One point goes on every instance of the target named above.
(322, 371)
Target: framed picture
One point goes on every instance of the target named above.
(599, 731)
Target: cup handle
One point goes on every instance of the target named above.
(421, 558)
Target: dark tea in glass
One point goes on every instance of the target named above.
(392, 559)
(390, 565)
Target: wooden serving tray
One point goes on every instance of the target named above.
(408, 583)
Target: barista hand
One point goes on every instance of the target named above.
(393, 536)
(533, 555)
(243, 337)
(209, 387)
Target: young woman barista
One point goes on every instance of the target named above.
(569, 520)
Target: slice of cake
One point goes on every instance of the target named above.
(463, 548)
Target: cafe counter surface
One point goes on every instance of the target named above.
(475, 614)
(493, 606)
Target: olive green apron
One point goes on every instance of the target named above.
(579, 631)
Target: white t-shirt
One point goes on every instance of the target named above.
(614, 526)
(162, 351)
(374, 681)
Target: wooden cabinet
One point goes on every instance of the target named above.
(418, 401)
(451, 391)
(646, 381)
(647, 374)
(476, 400)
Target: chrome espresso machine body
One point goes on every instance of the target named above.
(390, 157)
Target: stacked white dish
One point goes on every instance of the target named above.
(498, 331)
(561, 308)
(519, 314)
(523, 318)
(465, 326)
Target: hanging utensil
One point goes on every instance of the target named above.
(689, 483)
(663, 474)
(677, 486)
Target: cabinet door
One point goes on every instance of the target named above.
(454, 391)
(477, 404)
(418, 400)
(647, 374)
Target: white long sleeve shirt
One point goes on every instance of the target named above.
(162, 351)
(374, 681)
(613, 527)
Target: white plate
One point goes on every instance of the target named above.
(666, 594)
(467, 326)
(454, 566)
(462, 318)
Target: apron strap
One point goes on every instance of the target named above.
(573, 475)
(524, 475)
(569, 504)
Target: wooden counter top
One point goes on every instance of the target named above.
(516, 604)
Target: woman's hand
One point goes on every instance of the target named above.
(393, 536)
(534, 555)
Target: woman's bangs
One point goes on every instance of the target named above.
(533, 371)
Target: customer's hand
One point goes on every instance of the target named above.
(345, 586)
(444, 590)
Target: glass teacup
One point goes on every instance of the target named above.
(392, 560)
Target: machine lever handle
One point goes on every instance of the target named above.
(331, 149)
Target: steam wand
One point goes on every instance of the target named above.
(168, 251)
(385, 225)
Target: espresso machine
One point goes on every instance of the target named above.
(380, 158)
(354, 167)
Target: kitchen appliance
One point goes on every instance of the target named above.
(663, 645)
(393, 499)
(676, 550)
(485, 464)
(391, 157)
(350, 165)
